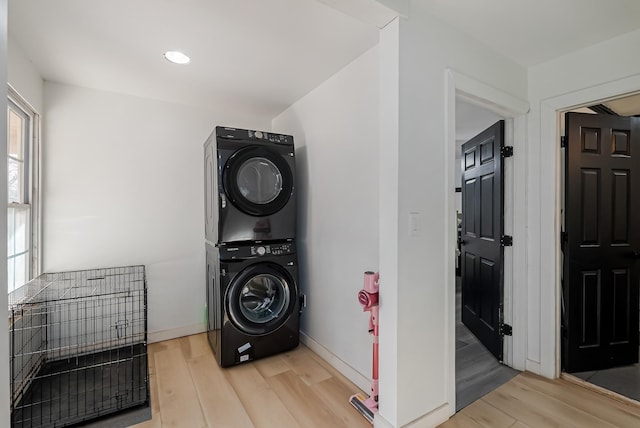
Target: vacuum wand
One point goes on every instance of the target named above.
(368, 298)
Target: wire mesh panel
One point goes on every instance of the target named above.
(78, 346)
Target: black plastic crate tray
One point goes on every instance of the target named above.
(77, 389)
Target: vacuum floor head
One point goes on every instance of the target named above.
(364, 406)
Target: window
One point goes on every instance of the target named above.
(22, 214)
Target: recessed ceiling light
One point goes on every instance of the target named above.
(177, 57)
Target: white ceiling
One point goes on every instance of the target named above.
(626, 106)
(471, 120)
(257, 57)
(253, 56)
(535, 31)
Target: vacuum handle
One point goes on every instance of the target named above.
(371, 281)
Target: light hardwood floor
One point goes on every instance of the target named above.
(299, 389)
(293, 389)
(532, 401)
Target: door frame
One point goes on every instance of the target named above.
(548, 246)
(514, 111)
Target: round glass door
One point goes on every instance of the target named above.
(260, 299)
(258, 181)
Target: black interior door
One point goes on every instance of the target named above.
(601, 252)
(482, 228)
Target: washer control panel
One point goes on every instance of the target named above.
(273, 249)
(234, 252)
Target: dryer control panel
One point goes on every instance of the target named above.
(257, 250)
(247, 134)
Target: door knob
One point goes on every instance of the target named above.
(635, 254)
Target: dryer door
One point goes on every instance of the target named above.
(258, 181)
(261, 298)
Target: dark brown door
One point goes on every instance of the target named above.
(482, 228)
(602, 221)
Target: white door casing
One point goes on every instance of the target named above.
(513, 109)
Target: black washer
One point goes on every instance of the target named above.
(260, 298)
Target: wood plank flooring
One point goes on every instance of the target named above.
(299, 389)
(293, 389)
(531, 401)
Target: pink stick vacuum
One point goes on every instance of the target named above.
(368, 298)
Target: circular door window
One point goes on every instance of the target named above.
(260, 299)
(258, 181)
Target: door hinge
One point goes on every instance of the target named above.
(506, 151)
(563, 141)
(506, 330)
(506, 241)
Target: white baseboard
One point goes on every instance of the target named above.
(187, 330)
(380, 422)
(345, 369)
(430, 420)
(533, 367)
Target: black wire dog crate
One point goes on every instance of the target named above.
(78, 346)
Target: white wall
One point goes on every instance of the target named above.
(4, 355)
(336, 136)
(416, 374)
(604, 70)
(123, 185)
(24, 77)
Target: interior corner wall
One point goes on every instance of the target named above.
(389, 125)
(572, 80)
(4, 338)
(336, 137)
(123, 184)
(24, 77)
(425, 233)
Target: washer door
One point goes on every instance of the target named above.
(261, 298)
(258, 181)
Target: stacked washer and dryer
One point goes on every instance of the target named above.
(253, 301)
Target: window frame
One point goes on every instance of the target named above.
(32, 185)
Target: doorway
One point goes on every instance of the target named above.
(484, 98)
(600, 302)
(478, 346)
